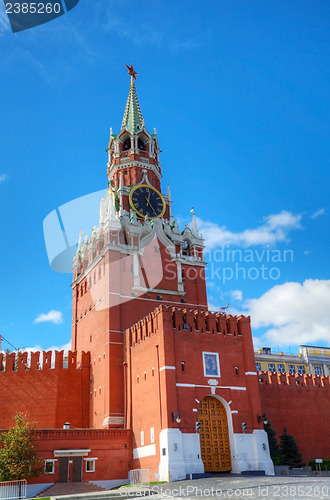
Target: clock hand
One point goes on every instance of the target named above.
(148, 203)
(154, 211)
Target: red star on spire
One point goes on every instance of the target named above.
(131, 71)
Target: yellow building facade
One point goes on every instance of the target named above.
(313, 360)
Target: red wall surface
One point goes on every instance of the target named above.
(303, 408)
(109, 447)
(49, 396)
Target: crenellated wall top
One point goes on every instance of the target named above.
(45, 360)
(288, 380)
(187, 320)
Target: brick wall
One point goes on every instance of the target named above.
(301, 403)
(47, 392)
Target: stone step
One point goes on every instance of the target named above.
(59, 489)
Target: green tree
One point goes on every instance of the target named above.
(290, 451)
(274, 448)
(18, 459)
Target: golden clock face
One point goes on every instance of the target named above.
(146, 200)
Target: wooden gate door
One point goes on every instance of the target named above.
(213, 434)
(63, 470)
(76, 472)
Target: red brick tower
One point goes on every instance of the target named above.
(160, 362)
(135, 260)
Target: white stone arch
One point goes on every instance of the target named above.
(232, 443)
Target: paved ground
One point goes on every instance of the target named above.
(257, 487)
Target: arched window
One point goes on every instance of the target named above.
(127, 144)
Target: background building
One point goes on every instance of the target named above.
(312, 360)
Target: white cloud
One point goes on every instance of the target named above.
(318, 213)
(236, 295)
(66, 347)
(52, 316)
(213, 307)
(294, 313)
(274, 228)
(3, 178)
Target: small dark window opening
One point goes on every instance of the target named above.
(141, 145)
(159, 297)
(195, 323)
(127, 144)
(182, 365)
(236, 370)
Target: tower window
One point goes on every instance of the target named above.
(127, 144)
(182, 366)
(141, 145)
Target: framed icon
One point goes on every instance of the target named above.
(211, 364)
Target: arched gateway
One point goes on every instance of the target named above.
(214, 437)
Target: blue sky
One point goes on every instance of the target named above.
(239, 94)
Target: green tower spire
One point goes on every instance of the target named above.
(133, 120)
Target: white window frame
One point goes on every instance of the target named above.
(93, 460)
(142, 438)
(319, 368)
(216, 354)
(273, 367)
(301, 370)
(280, 367)
(292, 369)
(50, 461)
(258, 367)
(152, 434)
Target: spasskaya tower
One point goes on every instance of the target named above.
(134, 260)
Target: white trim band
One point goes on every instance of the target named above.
(216, 387)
